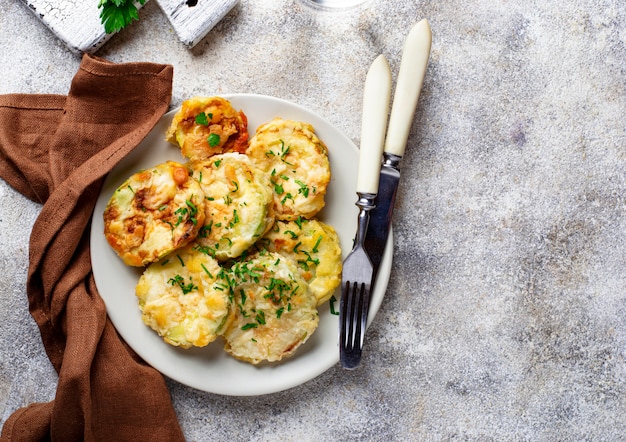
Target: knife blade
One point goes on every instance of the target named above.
(408, 86)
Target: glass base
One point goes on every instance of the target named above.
(335, 4)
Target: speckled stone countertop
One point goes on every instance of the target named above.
(505, 314)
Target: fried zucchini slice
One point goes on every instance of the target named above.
(297, 162)
(315, 247)
(207, 126)
(154, 212)
(183, 299)
(275, 312)
(238, 204)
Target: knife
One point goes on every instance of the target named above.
(410, 79)
(358, 273)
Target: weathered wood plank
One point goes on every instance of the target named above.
(193, 19)
(77, 22)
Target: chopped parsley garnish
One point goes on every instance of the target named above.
(213, 140)
(284, 151)
(315, 247)
(289, 196)
(279, 290)
(332, 305)
(244, 273)
(249, 325)
(190, 212)
(206, 270)
(309, 260)
(180, 282)
(205, 230)
(259, 318)
(202, 119)
(205, 249)
(278, 188)
(304, 189)
(234, 221)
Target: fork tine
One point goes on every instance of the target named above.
(354, 308)
(348, 307)
(362, 311)
(360, 314)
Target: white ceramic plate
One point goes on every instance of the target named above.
(210, 368)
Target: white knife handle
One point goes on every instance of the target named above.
(410, 79)
(376, 96)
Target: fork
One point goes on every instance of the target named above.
(357, 273)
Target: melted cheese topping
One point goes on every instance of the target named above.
(297, 162)
(206, 126)
(238, 204)
(229, 204)
(275, 311)
(154, 212)
(314, 246)
(183, 299)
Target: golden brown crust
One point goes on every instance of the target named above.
(207, 126)
(275, 312)
(182, 299)
(238, 205)
(315, 247)
(154, 212)
(193, 226)
(297, 162)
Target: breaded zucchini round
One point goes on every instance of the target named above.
(206, 126)
(275, 312)
(238, 204)
(183, 299)
(297, 162)
(154, 212)
(315, 247)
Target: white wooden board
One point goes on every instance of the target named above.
(77, 22)
(192, 23)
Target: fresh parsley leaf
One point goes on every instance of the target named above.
(249, 325)
(202, 119)
(333, 311)
(117, 14)
(213, 140)
(180, 282)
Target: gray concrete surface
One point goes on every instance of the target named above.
(505, 315)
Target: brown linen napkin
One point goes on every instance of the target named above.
(56, 150)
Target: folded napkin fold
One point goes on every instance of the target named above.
(56, 150)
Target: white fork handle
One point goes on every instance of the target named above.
(408, 87)
(376, 96)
